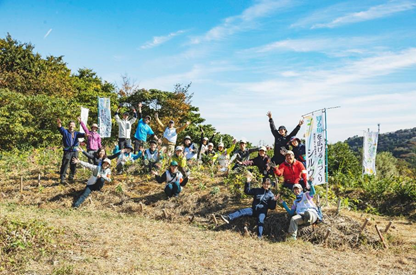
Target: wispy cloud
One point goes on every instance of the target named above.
(159, 40)
(244, 21)
(47, 34)
(375, 12)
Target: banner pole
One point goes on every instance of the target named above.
(326, 157)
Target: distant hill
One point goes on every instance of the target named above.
(401, 143)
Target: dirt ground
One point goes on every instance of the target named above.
(123, 230)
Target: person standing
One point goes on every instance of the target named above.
(142, 131)
(170, 135)
(93, 138)
(281, 139)
(124, 128)
(70, 142)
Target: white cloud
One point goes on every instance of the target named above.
(375, 12)
(47, 34)
(158, 40)
(244, 21)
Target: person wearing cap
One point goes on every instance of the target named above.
(142, 131)
(222, 156)
(243, 154)
(124, 128)
(262, 161)
(263, 200)
(292, 171)
(203, 144)
(281, 139)
(126, 157)
(93, 137)
(298, 149)
(181, 160)
(170, 135)
(190, 149)
(100, 174)
(173, 178)
(152, 156)
(209, 154)
(303, 210)
(70, 142)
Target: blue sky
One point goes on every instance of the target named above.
(243, 58)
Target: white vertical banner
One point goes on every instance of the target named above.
(369, 152)
(84, 118)
(315, 146)
(104, 117)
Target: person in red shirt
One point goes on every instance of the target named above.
(293, 172)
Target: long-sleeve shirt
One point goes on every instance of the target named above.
(292, 173)
(97, 160)
(261, 163)
(143, 130)
(281, 141)
(70, 140)
(170, 135)
(223, 156)
(169, 177)
(304, 204)
(263, 199)
(94, 138)
(244, 155)
(96, 170)
(124, 126)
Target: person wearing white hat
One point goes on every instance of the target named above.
(170, 134)
(93, 138)
(292, 171)
(243, 154)
(100, 174)
(181, 160)
(203, 144)
(190, 149)
(303, 210)
(262, 161)
(222, 156)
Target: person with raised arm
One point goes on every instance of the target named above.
(281, 139)
(222, 156)
(203, 144)
(124, 128)
(243, 154)
(70, 142)
(263, 200)
(93, 137)
(100, 174)
(142, 131)
(170, 135)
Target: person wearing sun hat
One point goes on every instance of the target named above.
(298, 149)
(93, 138)
(303, 210)
(100, 174)
(190, 149)
(281, 139)
(173, 178)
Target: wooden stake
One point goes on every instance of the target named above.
(326, 236)
(364, 225)
(141, 207)
(215, 219)
(387, 227)
(339, 206)
(38, 180)
(246, 233)
(381, 237)
(21, 184)
(191, 218)
(165, 213)
(318, 200)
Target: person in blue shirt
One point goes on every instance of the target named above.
(263, 200)
(70, 143)
(142, 131)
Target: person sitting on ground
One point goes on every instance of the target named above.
(281, 138)
(124, 128)
(299, 150)
(126, 157)
(191, 149)
(262, 162)
(142, 131)
(292, 171)
(70, 142)
(93, 137)
(152, 156)
(100, 174)
(98, 156)
(181, 160)
(170, 135)
(242, 154)
(263, 200)
(303, 210)
(222, 156)
(173, 178)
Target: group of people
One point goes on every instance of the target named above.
(285, 162)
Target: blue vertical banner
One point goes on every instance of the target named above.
(315, 147)
(104, 117)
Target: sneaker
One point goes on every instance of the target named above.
(224, 219)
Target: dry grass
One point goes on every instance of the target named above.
(124, 230)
